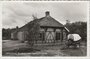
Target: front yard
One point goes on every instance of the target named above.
(16, 48)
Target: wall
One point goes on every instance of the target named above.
(50, 34)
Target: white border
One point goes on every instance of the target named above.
(0, 29)
(88, 31)
(29, 57)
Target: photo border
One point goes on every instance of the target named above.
(55, 57)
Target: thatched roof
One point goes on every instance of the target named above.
(46, 21)
(49, 21)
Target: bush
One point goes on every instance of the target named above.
(78, 28)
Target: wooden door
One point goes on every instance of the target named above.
(50, 35)
(20, 36)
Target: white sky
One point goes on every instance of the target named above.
(19, 13)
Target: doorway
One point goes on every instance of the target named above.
(49, 36)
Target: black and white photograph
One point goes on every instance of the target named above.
(44, 29)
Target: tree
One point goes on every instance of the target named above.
(67, 22)
(34, 17)
(6, 33)
(33, 31)
(79, 28)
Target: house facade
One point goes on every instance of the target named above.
(50, 30)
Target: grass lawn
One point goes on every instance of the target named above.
(16, 48)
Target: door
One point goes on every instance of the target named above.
(49, 37)
(20, 36)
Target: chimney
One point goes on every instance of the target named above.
(47, 13)
(16, 27)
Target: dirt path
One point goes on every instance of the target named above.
(45, 50)
(10, 45)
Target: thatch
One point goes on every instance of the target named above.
(51, 22)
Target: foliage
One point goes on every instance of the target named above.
(33, 31)
(79, 28)
(6, 33)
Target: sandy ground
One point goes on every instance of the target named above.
(45, 50)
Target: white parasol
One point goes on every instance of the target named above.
(75, 37)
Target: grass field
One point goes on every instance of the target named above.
(16, 48)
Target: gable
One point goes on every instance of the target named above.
(49, 21)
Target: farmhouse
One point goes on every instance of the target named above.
(50, 30)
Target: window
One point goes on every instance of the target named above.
(41, 35)
(57, 35)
